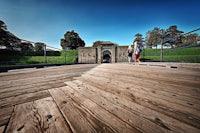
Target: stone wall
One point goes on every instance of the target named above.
(94, 54)
(121, 55)
(87, 55)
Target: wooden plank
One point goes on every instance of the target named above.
(182, 113)
(131, 119)
(2, 128)
(84, 115)
(17, 83)
(150, 118)
(30, 85)
(5, 114)
(45, 71)
(175, 64)
(149, 90)
(7, 102)
(172, 73)
(32, 80)
(38, 116)
(38, 81)
(182, 93)
(165, 78)
(32, 89)
(155, 83)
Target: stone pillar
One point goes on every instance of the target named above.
(99, 54)
(113, 54)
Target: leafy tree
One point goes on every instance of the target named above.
(71, 40)
(138, 37)
(39, 48)
(7, 39)
(26, 47)
(174, 36)
(3, 26)
(154, 37)
(190, 39)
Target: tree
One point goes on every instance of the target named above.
(153, 37)
(138, 37)
(26, 47)
(190, 39)
(39, 48)
(71, 40)
(7, 39)
(3, 26)
(174, 36)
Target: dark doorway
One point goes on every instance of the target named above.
(106, 56)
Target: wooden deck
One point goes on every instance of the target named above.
(148, 98)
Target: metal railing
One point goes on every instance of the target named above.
(186, 53)
(48, 56)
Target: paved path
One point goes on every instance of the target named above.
(147, 97)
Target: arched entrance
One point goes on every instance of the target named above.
(106, 56)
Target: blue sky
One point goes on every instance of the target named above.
(107, 20)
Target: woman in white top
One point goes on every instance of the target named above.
(136, 52)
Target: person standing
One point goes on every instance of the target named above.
(137, 50)
(130, 53)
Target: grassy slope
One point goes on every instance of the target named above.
(19, 59)
(180, 55)
(70, 56)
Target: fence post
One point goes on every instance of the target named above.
(65, 55)
(161, 51)
(45, 55)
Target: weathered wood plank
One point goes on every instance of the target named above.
(167, 77)
(174, 92)
(156, 84)
(176, 74)
(38, 80)
(84, 115)
(32, 85)
(8, 76)
(30, 82)
(108, 98)
(22, 83)
(38, 116)
(126, 83)
(153, 121)
(2, 128)
(194, 66)
(7, 102)
(182, 113)
(130, 118)
(31, 90)
(5, 114)
(154, 69)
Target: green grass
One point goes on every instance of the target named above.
(177, 55)
(181, 55)
(70, 57)
(22, 60)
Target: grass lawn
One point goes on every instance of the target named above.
(191, 55)
(18, 59)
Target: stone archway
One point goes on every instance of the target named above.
(106, 55)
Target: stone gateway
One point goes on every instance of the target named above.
(106, 52)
